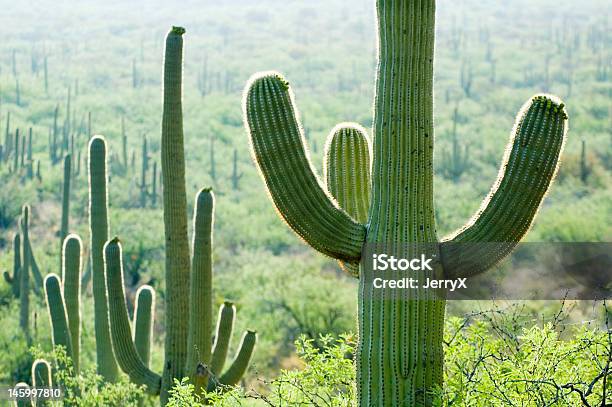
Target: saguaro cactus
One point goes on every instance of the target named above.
(188, 278)
(63, 300)
(24, 274)
(205, 361)
(399, 358)
(41, 378)
(98, 223)
(65, 200)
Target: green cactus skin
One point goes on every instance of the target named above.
(199, 342)
(24, 274)
(143, 322)
(175, 213)
(65, 222)
(241, 362)
(41, 378)
(71, 281)
(225, 327)
(7, 137)
(347, 174)
(98, 224)
(124, 348)
(57, 313)
(399, 356)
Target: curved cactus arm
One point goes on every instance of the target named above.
(57, 313)
(143, 322)
(98, 227)
(242, 360)
(528, 168)
(71, 280)
(278, 146)
(201, 303)
(225, 327)
(347, 174)
(121, 334)
(65, 221)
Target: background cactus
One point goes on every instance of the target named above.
(24, 274)
(399, 355)
(188, 286)
(455, 162)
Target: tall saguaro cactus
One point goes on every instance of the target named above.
(188, 305)
(98, 224)
(399, 358)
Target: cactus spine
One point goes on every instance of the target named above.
(399, 358)
(188, 323)
(98, 226)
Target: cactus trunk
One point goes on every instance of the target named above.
(98, 223)
(175, 214)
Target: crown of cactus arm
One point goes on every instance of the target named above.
(123, 346)
(41, 374)
(278, 147)
(347, 173)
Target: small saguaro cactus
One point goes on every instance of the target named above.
(236, 174)
(585, 168)
(399, 357)
(41, 379)
(188, 305)
(24, 274)
(71, 290)
(14, 280)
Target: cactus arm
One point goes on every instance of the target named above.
(57, 313)
(277, 143)
(41, 378)
(528, 168)
(24, 275)
(239, 365)
(41, 374)
(225, 326)
(143, 322)
(71, 280)
(175, 214)
(98, 226)
(123, 347)
(201, 304)
(347, 174)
